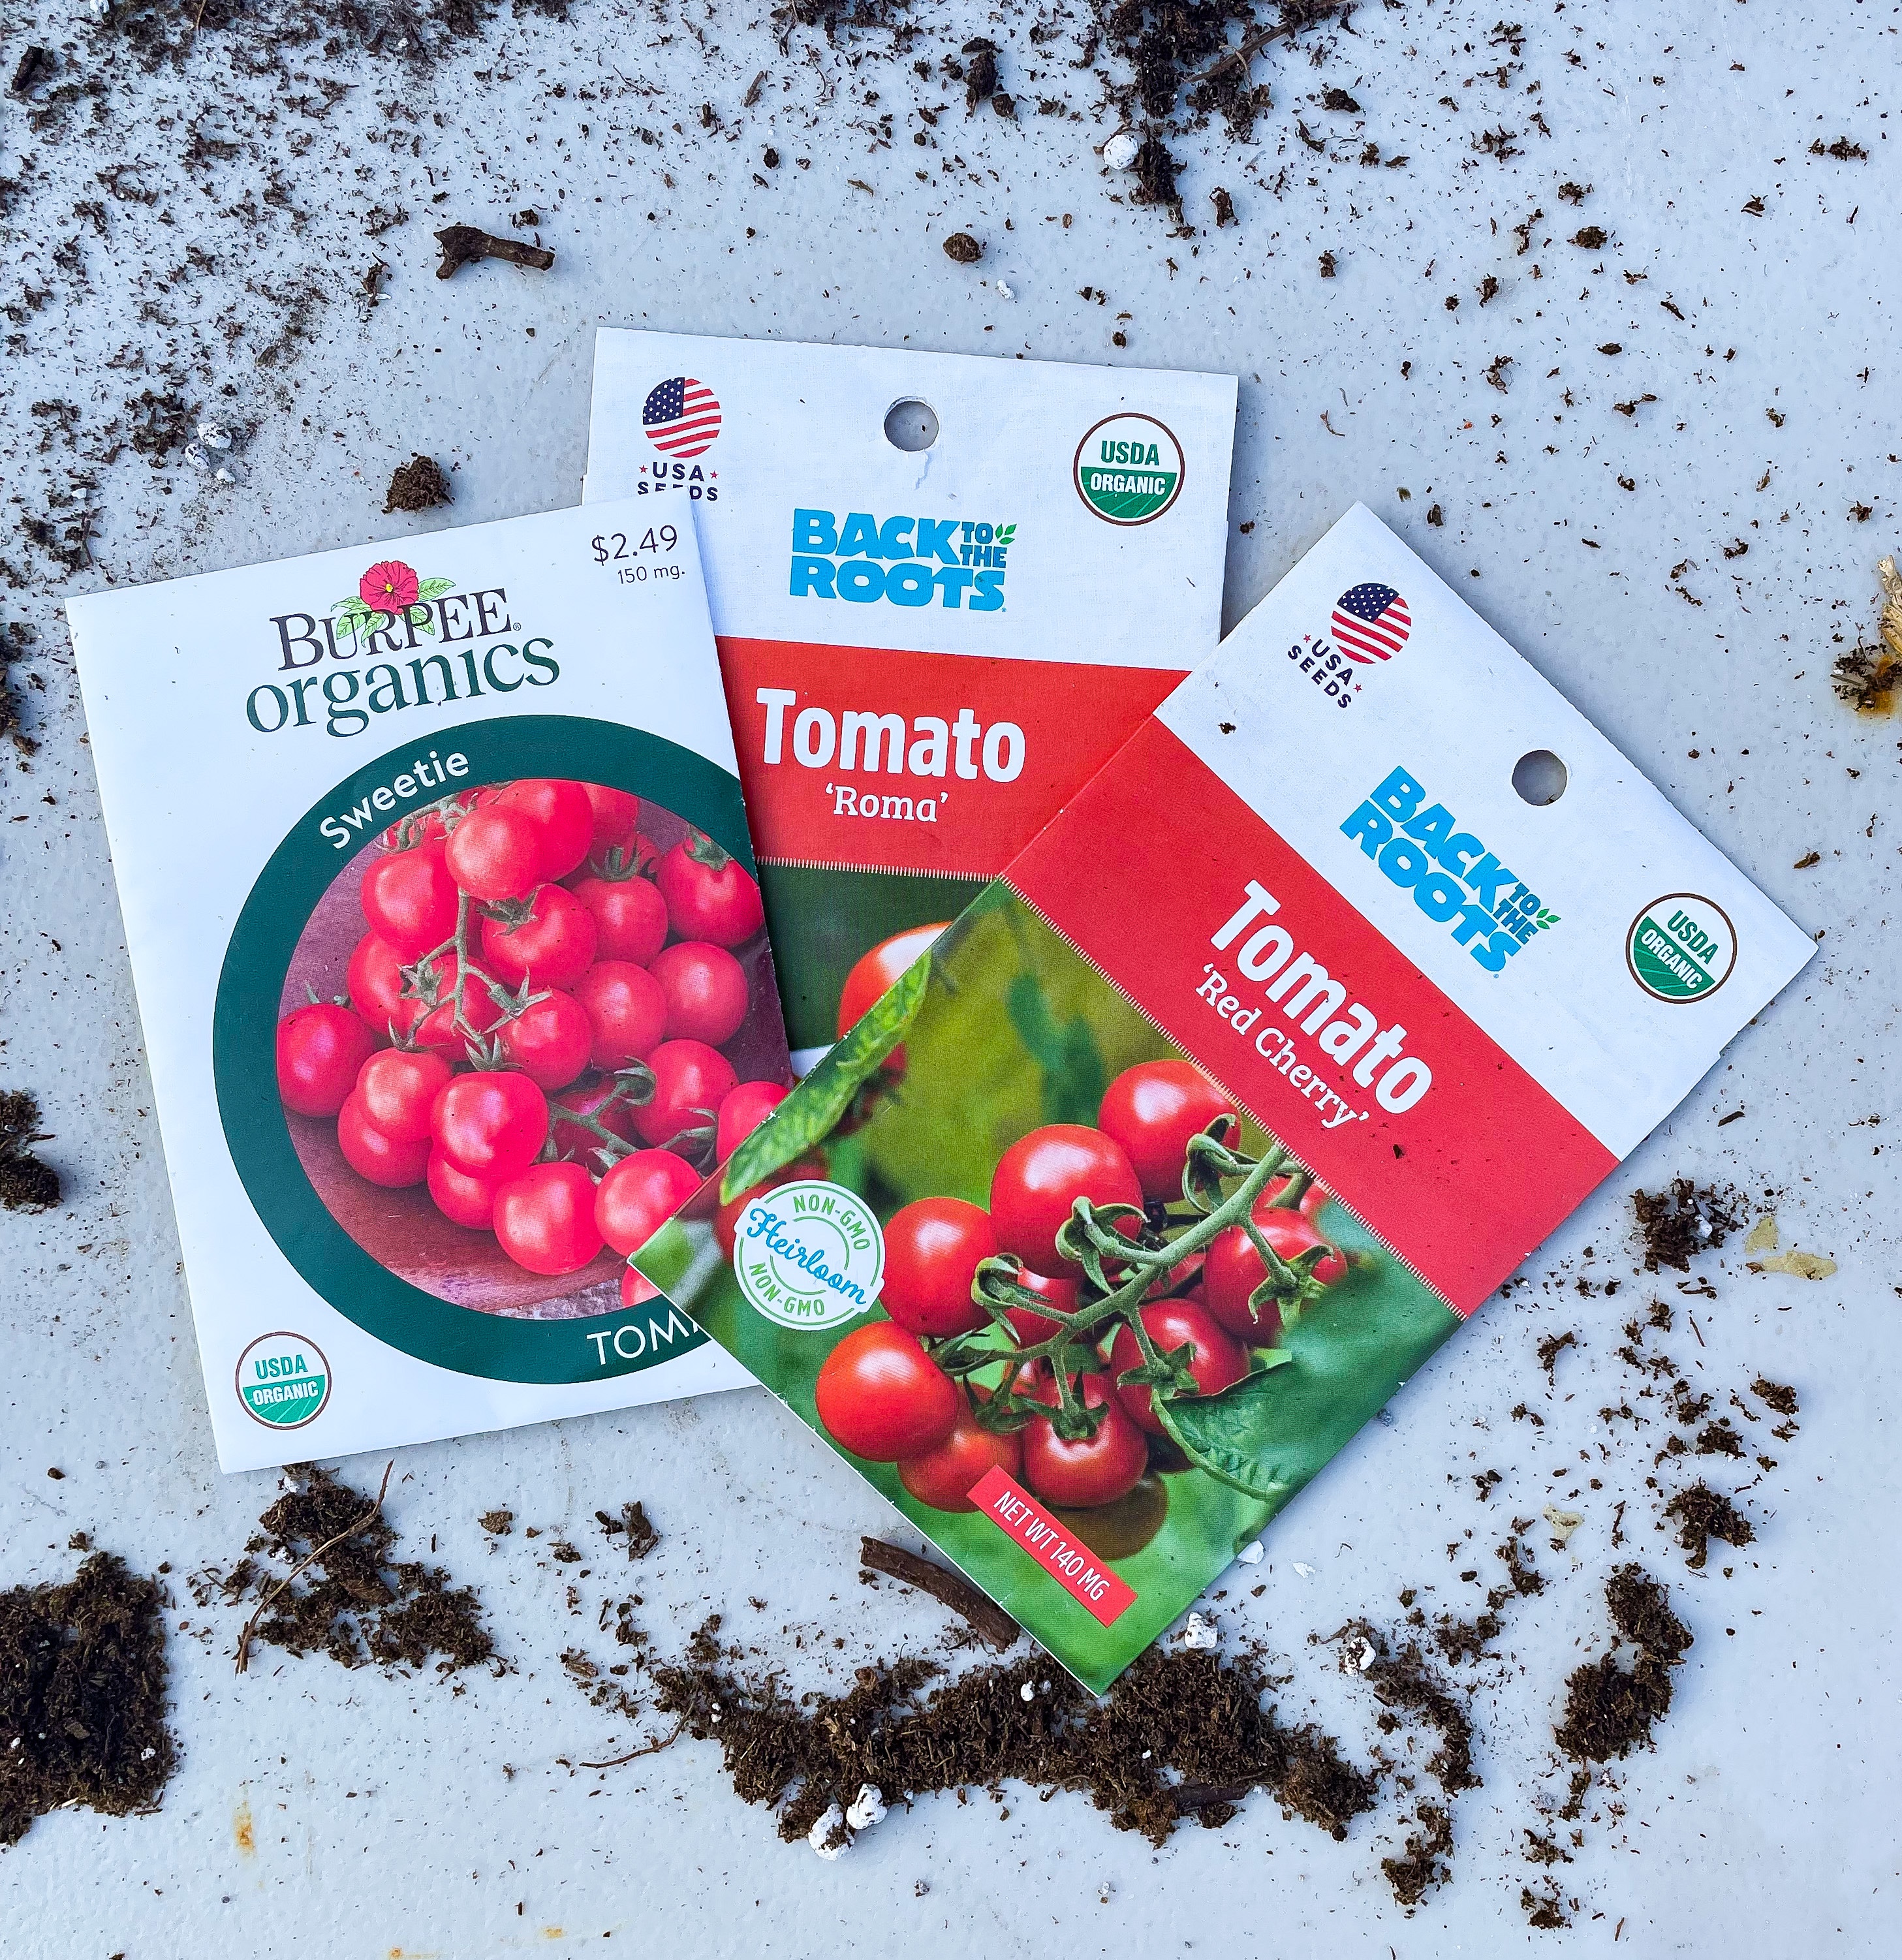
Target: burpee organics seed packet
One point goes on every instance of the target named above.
(926, 650)
(1270, 1057)
(440, 900)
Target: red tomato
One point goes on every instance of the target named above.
(630, 918)
(563, 817)
(491, 1123)
(932, 1249)
(372, 1155)
(420, 826)
(1152, 1110)
(410, 900)
(553, 946)
(376, 984)
(599, 1099)
(709, 896)
(742, 1112)
(691, 1080)
(1090, 1470)
(706, 990)
(636, 1288)
(1233, 1270)
(876, 973)
(398, 1088)
(944, 1477)
(1064, 1295)
(550, 1040)
(626, 1009)
(882, 1397)
(462, 1199)
(1216, 1358)
(438, 1028)
(640, 1195)
(1039, 1178)
(320, 1049)
(617, 816)
(544, 1220)
(726, 1219)
(495, 853)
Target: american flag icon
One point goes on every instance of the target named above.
(681, 417)
(1371, 622)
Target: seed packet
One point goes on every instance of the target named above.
(1176, 1154)
(925, 650)
(440, 900)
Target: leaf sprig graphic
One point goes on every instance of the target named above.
(354, 617)
(1006, 534)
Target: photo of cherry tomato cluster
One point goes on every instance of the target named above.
(1076, 1354)
(544, 1022)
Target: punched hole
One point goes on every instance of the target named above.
(911, 424)
(1539, 778)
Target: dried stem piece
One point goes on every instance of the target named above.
(462, 242)
(987, 1620)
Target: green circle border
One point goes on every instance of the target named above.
(244, 1043)
(1631, 934)
(1077, 468)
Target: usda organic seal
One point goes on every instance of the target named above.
(1681, 947)
(1128, 469)
(283, 1380)
(809, 1254)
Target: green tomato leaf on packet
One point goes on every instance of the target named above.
(1233, 1436)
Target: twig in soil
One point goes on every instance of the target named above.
(462, 242)
(646, 1749)
(1245, 50)
(283, 1585)
(987, 1619)
(35, 65)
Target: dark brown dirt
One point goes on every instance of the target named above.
(1676, 1225)
(962, 249)
(631, 1525)
(418, 484)
(27, 1184)
(1421, 1867)
(1609, 1710)
(1405, 1679)
(1703, 1514)
(83, 1675)
(1775, 1395)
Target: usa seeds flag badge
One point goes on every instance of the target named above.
(1158, 1172)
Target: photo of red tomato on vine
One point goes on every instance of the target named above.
(519, 1027)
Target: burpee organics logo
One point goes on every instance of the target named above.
(1369, 625)
(1681, 947)
(810, 1254)
(1128, 469)
(906, 561)
(681, 418)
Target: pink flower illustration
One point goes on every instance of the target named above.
(389, 587)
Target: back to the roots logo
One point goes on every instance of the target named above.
(809, 1254)
(283, 1380)
(1681, 947)
(1128, 469)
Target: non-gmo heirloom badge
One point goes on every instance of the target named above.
(1681, 947)
(1128, 468)
(809, 1254)
(283, 1380)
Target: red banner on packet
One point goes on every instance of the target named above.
(1074, 1566)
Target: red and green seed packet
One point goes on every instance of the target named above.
(441, 903)
(1157, 1172)
(927, 650)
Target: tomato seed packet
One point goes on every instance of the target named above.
(926, 650)
(441, 903)
(1171, 1158)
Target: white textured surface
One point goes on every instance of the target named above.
(1765, 1820)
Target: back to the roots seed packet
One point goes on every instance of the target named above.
(1192, 1136)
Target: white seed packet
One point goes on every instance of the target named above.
(927, 648)
(437, 888)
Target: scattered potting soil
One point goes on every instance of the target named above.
(1677, 1224)
(418, 484)
(26, 1182)
(1610, 1710)
(1702, 1514)
(1421, 1865)
(632, 1525)
(324, 1579)
(83, 1675)
(1405, 1679)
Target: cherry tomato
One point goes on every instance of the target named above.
(932, 1248)
(398, 1088)
(876, 973)
(1089, 1470)
(691, 1080)
(630, 917)
(462, 1199)
(600, 1099)
(626, 1009)
(742, 1112)
(410, 899)
(495, 853)
(1216, 1358)
(553, 946)
(420, 826)
(1152, 1110)
(617, 816)
(944, 1477)
(372, 1155)
(882, 1397)
(1039, 1178)
(709, 896)
(491, 1123)
(1233, 1270)
(636, 1288)
(321, 1047)
(563, 817)
(640, 1195)
(706, 990)
(726, 1219)
(1064, 1295)
(544, 1219)
(550, 1040)
(438, 1028)
(375, 980)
